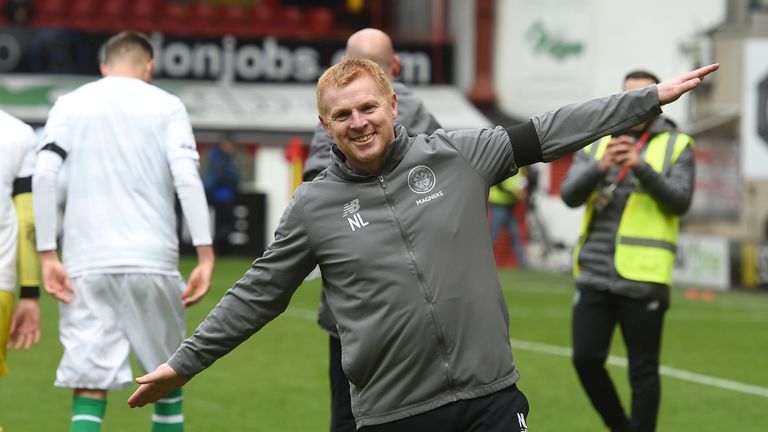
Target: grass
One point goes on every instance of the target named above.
(277, 380)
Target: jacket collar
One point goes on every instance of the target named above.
(393, 154)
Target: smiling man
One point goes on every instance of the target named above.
(411, 281)
(360, 119)
(374, 45)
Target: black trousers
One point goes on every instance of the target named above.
(503, 411)
(595, 315)
(342, 419)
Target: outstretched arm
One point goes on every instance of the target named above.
(570, 128)
(671, 89)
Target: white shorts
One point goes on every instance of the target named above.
(110, 316)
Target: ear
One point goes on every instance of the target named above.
(395, 66)
(325, 124)
(148, 70)
(394, 105)
(104, 69)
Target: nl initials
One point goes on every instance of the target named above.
(356, 222)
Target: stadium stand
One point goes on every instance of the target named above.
(196, 18)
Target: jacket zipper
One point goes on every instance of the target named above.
(422, 283)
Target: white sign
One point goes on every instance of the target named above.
(237, 106)
(554, 36)
(754, 129)
(702, 262)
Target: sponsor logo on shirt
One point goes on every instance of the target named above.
(352, 209)
(429, 198)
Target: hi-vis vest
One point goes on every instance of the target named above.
(647, 236)
(505, 192)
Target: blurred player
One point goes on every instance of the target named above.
(18, 260)
(636, 184)
(128, 147)
(373, 45)
(399, 228)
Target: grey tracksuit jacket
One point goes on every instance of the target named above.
(407, 258)
(673, 190)
(412, 114)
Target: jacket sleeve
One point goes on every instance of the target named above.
(319, 153)
(258, 297)
(582, 178)
(551, 135)
(674, 192)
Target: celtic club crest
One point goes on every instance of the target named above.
(421, 179)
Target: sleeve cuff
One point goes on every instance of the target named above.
(29, 292)
(526, 147)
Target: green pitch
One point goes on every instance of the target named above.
(276, 381)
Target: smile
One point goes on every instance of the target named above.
(363, 138)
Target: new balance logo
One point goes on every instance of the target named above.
(351, 209)
(521, 422)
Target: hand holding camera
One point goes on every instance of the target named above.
(619, 151)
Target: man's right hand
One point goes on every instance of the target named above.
(55, 277)
(155, 385)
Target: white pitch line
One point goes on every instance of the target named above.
(663, 370)
(561, 351)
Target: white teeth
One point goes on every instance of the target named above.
(363, 138)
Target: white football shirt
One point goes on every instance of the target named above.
(17, 150)
(128, 146)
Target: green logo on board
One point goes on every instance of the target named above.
(546, 42)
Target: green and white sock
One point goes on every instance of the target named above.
(87, 414)
(168, 416)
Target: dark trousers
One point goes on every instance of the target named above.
(595, 315)
(342, 419)
(503, 411)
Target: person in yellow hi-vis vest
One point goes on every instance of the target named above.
(19, 266)
(635, 185)
(502, 201)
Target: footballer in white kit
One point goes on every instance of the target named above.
(18, 258)
(128, 147)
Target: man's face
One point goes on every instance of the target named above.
(359, 119)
